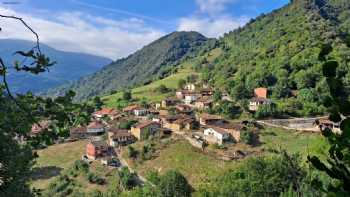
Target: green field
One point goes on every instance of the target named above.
(56, 158)
(199, 167)
(148, 91)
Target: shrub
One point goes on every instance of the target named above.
(247, 137)
(174, 184)
(132, 153)
(162, 89)
(127, 95)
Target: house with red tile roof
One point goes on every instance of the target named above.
(259, 99)
(260, 92)
(109, 112)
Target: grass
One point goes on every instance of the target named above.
(180, 155)
(57, 157)
(148, 91)
(294, 142)
(199, 168)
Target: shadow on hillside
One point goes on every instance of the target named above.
(46, 172)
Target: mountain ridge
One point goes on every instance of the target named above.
(78, 65)
(154, 61)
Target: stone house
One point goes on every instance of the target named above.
(119, 137)
(204, 102)
(208, 119)
(146, 129)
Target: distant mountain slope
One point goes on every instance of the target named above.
(70, 66)
(280, 50)
(153, 61)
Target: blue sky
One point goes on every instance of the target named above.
(116, 28)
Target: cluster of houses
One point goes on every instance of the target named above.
(182, 114)
(172, 115)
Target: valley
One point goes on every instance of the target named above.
(260, 110)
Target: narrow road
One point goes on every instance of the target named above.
(123, 163)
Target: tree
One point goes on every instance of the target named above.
(98, 103)
(247, 136)
(162, 89)
(127, 179)
(240, 91)
(260, 176)
(181, 83)
(191, 78)
(337, 163)
(268, 110)
(127, 95)
(18, 114)
(174, 184)
(217, 96)
(132, 153)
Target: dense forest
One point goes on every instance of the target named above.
(281, 50)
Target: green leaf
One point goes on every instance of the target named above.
(330, 68)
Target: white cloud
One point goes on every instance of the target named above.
(211, 27)
(212, 6)
(75, 31)
(211, 19)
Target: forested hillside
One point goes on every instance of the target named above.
(70, 66)
(281, 51)
(152, 62)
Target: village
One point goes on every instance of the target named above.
(183, 115)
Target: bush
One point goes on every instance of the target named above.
(265, 111)
(127, 124)
(95, 179)
(247, 137)
(127, 95)
(127, 179)
(81, 166)
(162, 89)
(260, 176)
(132, 153)
(153, 177)
(174, 184)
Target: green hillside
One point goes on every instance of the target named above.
(155, 61)
(281, 50)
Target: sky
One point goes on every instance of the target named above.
(117, 28)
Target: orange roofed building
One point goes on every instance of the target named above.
(260, 92)
(109, 112)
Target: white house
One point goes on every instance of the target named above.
(190, 98)
(216, 134)
(256, 102)
(190, 87)
(140, 112)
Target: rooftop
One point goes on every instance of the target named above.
(95, 125)
(145, 124)
(106, 111)
(99, 143)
